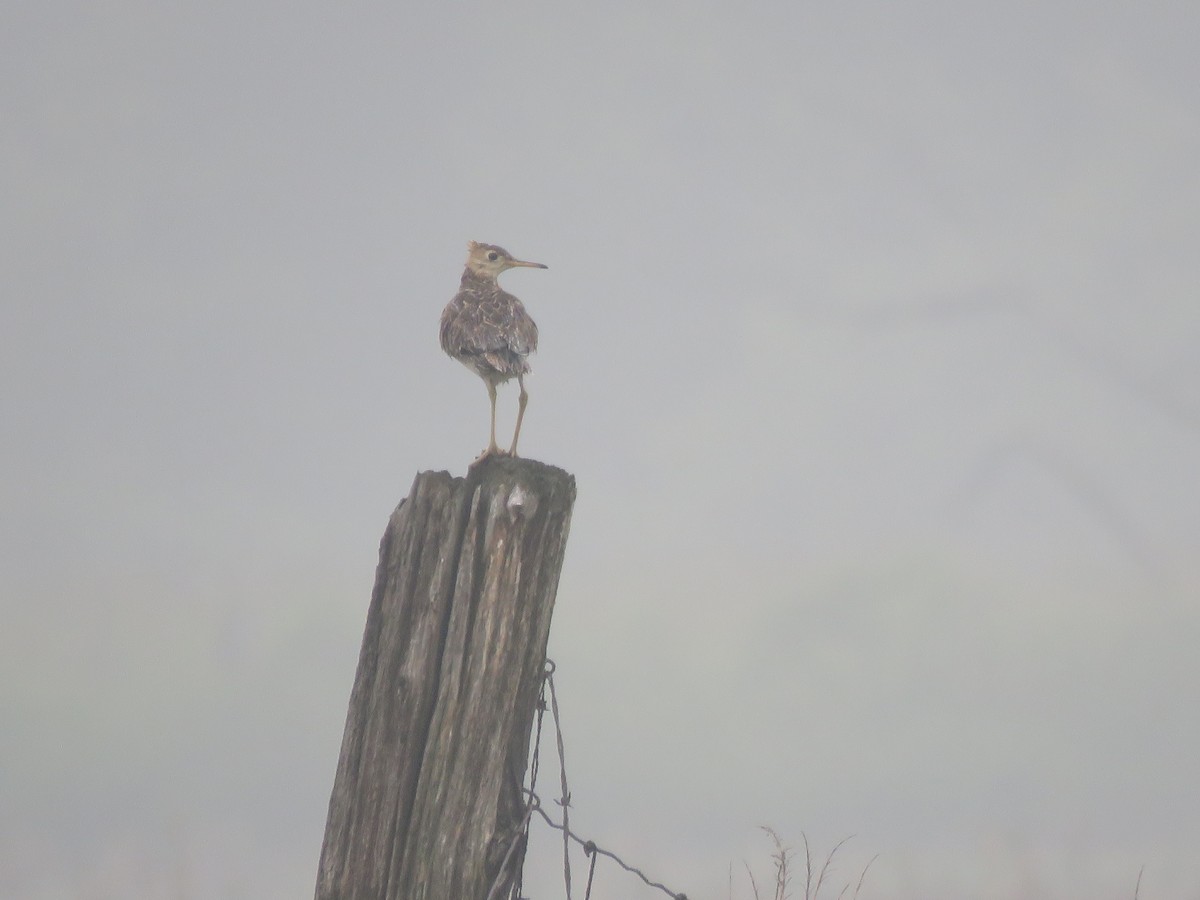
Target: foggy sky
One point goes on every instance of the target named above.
(869, 334)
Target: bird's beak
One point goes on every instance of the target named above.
(512, 263)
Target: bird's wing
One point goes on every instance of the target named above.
(520, 331)
(496, 323)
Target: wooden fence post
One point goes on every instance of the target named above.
(427, 798)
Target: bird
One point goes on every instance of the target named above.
(488, 330)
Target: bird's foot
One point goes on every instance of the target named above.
(492, 451)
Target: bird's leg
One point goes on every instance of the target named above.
(521, 401)
(492, 448)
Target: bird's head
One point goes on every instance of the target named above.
(488, 260)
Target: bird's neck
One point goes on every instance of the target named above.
(471, 278)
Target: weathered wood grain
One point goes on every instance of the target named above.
(427, 799)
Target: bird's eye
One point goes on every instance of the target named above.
(493, 255)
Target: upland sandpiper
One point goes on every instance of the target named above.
(488, 330)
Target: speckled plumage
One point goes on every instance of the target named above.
(488, 330)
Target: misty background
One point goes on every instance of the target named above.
(869, 334)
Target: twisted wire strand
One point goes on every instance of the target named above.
(534, 805)
(537, 808)
(565, 799)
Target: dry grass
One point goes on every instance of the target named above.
(815, 878)
(819, 877)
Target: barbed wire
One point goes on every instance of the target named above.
(565, 799)
(534, 805)
(591, 849)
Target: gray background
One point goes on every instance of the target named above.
(869, 333)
